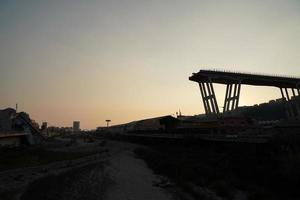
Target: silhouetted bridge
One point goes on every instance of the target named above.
(289, 88)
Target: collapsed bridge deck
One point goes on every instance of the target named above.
(223, 77)
(234, 80)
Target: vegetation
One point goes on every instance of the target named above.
(262, 171)
(266, 111)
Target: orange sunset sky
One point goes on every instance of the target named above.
(125, 60)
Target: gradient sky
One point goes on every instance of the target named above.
(65, 60)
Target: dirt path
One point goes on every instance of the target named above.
(132, 178)
(120, 177)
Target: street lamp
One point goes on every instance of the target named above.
(107, 122)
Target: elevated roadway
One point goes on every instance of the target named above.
(223, 77)
(289, 88)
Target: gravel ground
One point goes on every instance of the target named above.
(119, 176)
(133, 180)
(83, 183)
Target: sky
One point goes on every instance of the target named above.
(124, 60)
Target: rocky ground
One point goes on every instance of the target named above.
(111, 172)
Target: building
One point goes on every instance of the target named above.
(76, 126)
(6, 116)
(18, 129)
(44, 126)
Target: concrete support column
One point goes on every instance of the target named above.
(282, 93)
(232, 97)
(238, 95)
(293, 91)
(209, 98)
(206, 98)
(212, 102)
(285, 105)
(226, 97)
(298, 88)
(203, 98)
(214, 97)
(288, 103)
(287, 94)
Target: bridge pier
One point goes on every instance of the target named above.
(232, 97)
(209, 97)
(297, 99)
(291, 104)
(287, 105)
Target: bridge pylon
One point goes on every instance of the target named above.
(232, 96)
(208, 97)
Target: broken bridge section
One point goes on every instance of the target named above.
(209, 97)
(292, 105)
(289, 88)
(232, 96)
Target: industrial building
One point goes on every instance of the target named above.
(76, 126)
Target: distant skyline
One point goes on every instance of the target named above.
(124, 60)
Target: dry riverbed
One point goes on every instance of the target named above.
(111, 171)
